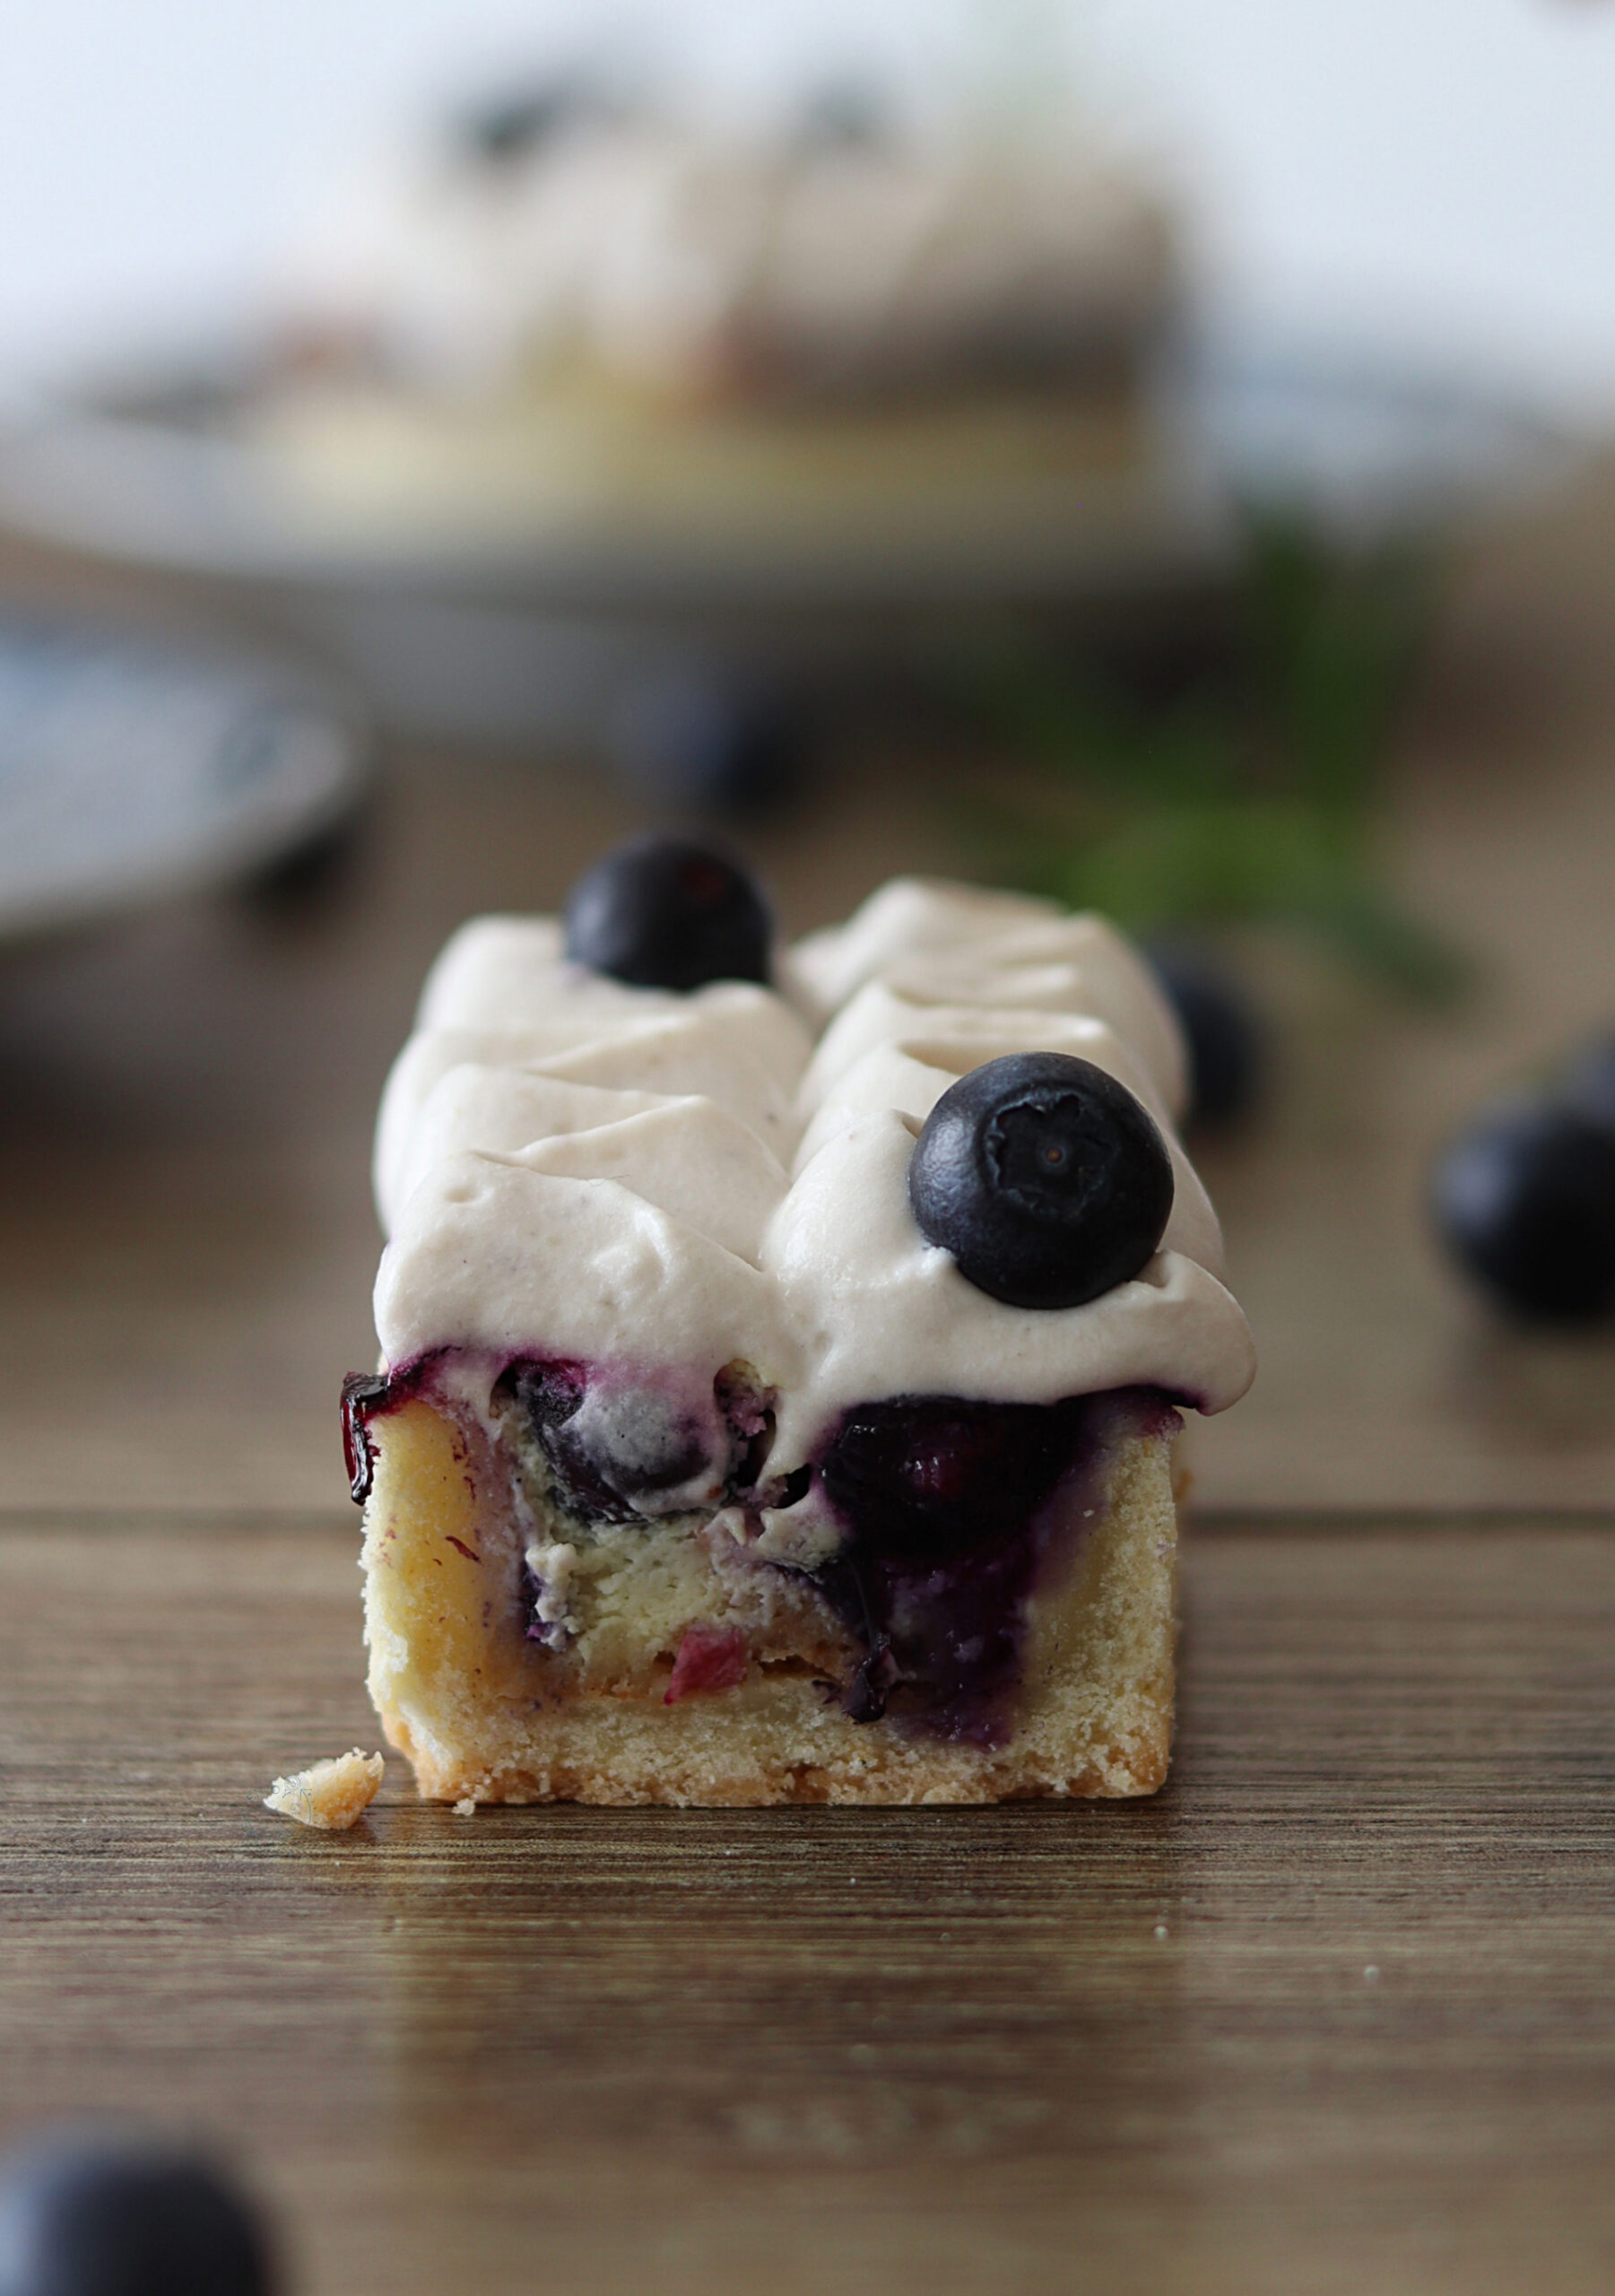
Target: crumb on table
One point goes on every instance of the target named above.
(466, 1808)
(332, 1795)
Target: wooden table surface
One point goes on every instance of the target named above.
(1336, 2012)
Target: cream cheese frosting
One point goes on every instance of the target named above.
(572, 1167)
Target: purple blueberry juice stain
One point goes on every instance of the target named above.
(626, 1447)
(552, 1395)
(362, 1394)
(952, 1511)
(369, 1395)
(622, 1443)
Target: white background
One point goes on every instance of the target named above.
(1433, 174)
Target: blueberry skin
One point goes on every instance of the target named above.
(701, 739)
(507, 129)
(96, 2216)
(1524, 1200)
(1046, 1179)
(1589, 1086)
(660, 913)
(1225, 1051)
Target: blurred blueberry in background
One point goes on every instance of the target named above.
(701, 739)
(91, 2213)
(1525, 1199)
(1589, 1085)
(1227, 1053)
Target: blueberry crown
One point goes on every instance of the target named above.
(662, 913)
(1048, 1181)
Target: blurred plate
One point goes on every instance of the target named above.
(578, 500)
(130, 773)
(504, 574)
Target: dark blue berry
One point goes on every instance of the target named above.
(1525, 1200)
(1044, 1178)
(509, 128)
(1222, 1033)
(945, 1506)
(701, 739)
(614, 1452)
(1589, 1086)
(552, 1396)
(660, 913)
(95, 2216)
(844, 115)
(940, 1497)
(929, 1477)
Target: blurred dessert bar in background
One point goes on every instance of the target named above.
(559, 239)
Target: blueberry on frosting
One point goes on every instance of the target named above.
(1047, 1180)
(662, 913)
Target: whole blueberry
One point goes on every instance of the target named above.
(1526, 1201)
(1221, 1031)
(1045, 1178)
(660, 913)
(701, 739)
(98, 2216)
(1589, 1086)
(844, 115)
(509, 127)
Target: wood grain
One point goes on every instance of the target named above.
(1335, 2013)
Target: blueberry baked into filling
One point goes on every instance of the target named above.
(783, 1351)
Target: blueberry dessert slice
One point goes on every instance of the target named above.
(766, 1422)
(661, 913)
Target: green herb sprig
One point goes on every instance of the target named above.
(1250, 796)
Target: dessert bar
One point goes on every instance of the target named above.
(782, 1351)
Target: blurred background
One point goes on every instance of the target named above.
(1425, 177)
(1151, 455)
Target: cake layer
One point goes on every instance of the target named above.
(708, 1681)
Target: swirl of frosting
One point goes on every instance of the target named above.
(575, 1167)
